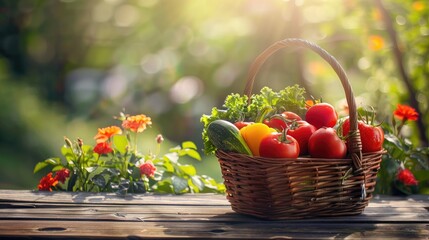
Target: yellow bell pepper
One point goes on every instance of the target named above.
(253, 135)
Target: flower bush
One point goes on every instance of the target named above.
(115, 164)
(405, 166)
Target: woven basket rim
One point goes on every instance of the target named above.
(280, 161)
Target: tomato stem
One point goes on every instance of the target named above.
(283, 137)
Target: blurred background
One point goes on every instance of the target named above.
(68, 66)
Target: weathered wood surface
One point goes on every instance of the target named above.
(39, 215)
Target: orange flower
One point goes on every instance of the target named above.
(404, 113)
(418, 6)
(309, 103)
(136, 123)
(376, 42)
(47, 182)
(103, 148)
(105, 133)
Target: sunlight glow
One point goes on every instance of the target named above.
(126, 16)
(186, 89)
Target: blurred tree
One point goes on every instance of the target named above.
(399, 59)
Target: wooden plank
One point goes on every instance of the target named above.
(107, 216)
(110, 198)
(144, 230)
(185, 199)
(193, 213)
(372, 207)
(184, 219)
(46, 209)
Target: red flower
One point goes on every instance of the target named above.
(105, 133)
(406, 177)
(136, 123)
(62, 175)
(103, 148)
(148, 169)
(404, 112)
(47, 182)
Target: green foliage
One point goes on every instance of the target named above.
(122, 169)
(401, 154)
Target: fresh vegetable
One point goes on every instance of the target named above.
(242, 124)
(372, 137)
(236, 108)
(279, 145)
(253, 135)
(301, 131)
(226, 136)
(281, 121)
(325, 143)
(321, 115)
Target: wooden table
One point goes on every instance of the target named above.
(40, 215)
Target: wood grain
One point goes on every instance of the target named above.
(62, 215)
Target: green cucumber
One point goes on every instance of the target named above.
(225, 136)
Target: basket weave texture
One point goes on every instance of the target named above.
(276, 189)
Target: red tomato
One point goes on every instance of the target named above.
(291, 116)
(321, 115)
(241, 124)
(274, 146)
(372, 137)
(325, 143)
(301, 131)
(279, 122)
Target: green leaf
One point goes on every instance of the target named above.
(65, 151)
(57, 168)
(167, 175)
(135, 172)
(394, 140)
(192, 153)
(53, 161)
(90, 169)
(121, 143)
(114, 171)
(173, 157)
(422, 175)
(168, 166)
(197, 182)
(50, 161)
(164, 187)
(87, 149)
(189, 144)
(138, 187)
(179, 184)
(188, 170)
(121, 189)
(39, 166)
(99, 180)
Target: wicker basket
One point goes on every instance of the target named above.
(304, 187)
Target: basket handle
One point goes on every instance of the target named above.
(354, 141)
